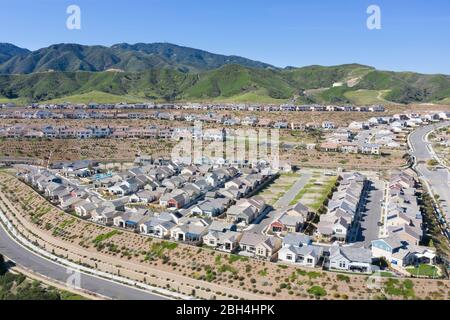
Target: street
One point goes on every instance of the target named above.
(367, 228)
(438, 180)
(28, 260)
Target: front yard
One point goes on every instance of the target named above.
(424, 270)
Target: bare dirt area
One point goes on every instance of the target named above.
(188, 269)
(317, 159)
(73, 149)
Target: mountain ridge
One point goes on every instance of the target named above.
(128, 57)
(168, 72)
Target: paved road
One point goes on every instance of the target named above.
(370, 215)
(290, 195)
(439, 179)
(39, 265)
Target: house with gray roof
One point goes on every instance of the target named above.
(227, 241)
(350, 259)
(159, 227)
(259, 245)
(190, 230)
(210, 207)
(131, 218)
(306, 256)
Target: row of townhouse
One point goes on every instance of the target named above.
(199, 106)
(404, 225)
(66, 132)
(350, 147)
(343, 208)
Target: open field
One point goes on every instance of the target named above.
(362, 97)
(73, 149)
(274, 191)
(97, 97)
(207, 273)
(316, 191)
(127, 149)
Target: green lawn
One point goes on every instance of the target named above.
(320, 191)
(19, 101)
(259, 96)
(445, 101)
(98, 97)
(361, 97)
(423, 270)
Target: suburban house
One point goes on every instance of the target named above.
(227, 241)
(350, 259)
(131, 219)
(159, 226)
(246, 210)
(210, 207)
(104, 215)
(143, 196)
(190, 230)
(298, 249)
(290, 219)
(259, 245)
(400, 253)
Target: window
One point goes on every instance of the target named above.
(289, 256)
(342, 264)
(309, 261)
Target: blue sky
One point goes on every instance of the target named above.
(415, 34)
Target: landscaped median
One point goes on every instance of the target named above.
(174, 266)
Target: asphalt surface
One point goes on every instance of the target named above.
(438, 180)
(370, 215)
(28, 260)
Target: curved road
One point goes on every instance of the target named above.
(439, 179)
(49, 269)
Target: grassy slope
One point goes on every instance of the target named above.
(231, 83)
(98, 97)
(367, 96)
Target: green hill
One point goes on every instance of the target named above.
(230, 83)
(131, 58)
(167, 72)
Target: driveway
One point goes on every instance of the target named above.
(370, 215)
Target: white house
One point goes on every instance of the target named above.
(350, 259)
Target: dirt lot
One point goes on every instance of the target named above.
(181, 267)
(439, 138)
(72, 149)
(275, 190)
(316, 191)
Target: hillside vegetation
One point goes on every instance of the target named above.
(132, 58)
(165, 72)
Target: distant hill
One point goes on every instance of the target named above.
(8, 51)
(235, 83)
(132, 58)
(167, 72)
